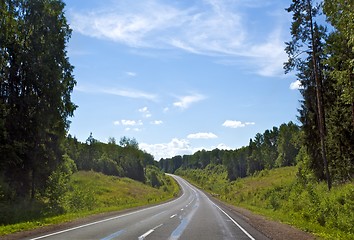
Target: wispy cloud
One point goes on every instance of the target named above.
(211, 27)
(202, 135)
(131, 74)
(185, 101)
(131, 93)
(236, 124)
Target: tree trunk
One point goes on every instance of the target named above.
(320, 108)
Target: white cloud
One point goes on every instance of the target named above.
(296, 85)
(202, 135)
(210, 27)
(128, 122)
(157, 122)
(145, 111)
(167, 150)
(176, 147)
(236, 124)
(185, 101)
(130, 93)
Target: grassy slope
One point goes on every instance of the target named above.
(93, 193)
(279, 195)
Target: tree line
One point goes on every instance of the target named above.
(123, 160)
(277, 147)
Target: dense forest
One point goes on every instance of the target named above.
(323, 61)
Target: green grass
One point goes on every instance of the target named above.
(280, 195)
(91, 193)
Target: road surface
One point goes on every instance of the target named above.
(192, 216)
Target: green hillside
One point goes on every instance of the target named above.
(282, 195)
(88, 193)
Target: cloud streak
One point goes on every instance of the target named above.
(214, 28)
(236, 124)
(186, 101)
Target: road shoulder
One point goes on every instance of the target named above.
(271, 229)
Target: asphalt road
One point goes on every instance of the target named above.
(193, 216)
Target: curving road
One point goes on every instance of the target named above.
(191, 216)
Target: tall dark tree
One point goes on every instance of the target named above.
(306, 38)
(36, 84)
(340, 48)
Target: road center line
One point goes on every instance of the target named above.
(142, 237)
(146, 234)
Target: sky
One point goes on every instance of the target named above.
(180, 75)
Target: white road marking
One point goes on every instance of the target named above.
(182, 209)
(142, 237)
(238, 225)
(106, 220)
(174, 215)
(146, 234)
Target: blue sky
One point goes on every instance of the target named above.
(180, 75)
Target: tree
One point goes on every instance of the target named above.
(306, 38)
(287, 145)
(128, 142)
(36, 84)
(340, 49)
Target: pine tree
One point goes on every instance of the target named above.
(306, 39)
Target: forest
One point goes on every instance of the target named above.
(278, 147)
(37, 155)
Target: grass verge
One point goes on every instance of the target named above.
(89, 193)
(281, 196)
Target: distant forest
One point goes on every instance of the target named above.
(278, 147)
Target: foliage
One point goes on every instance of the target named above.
(88, 193)
(35, 86)
(283, 195)
(109, 158)
(324, 63)
(273, 148)
(308, 39)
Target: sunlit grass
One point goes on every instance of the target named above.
(279, 195)
(92, 193)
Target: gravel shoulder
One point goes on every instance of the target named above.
(271, 229)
